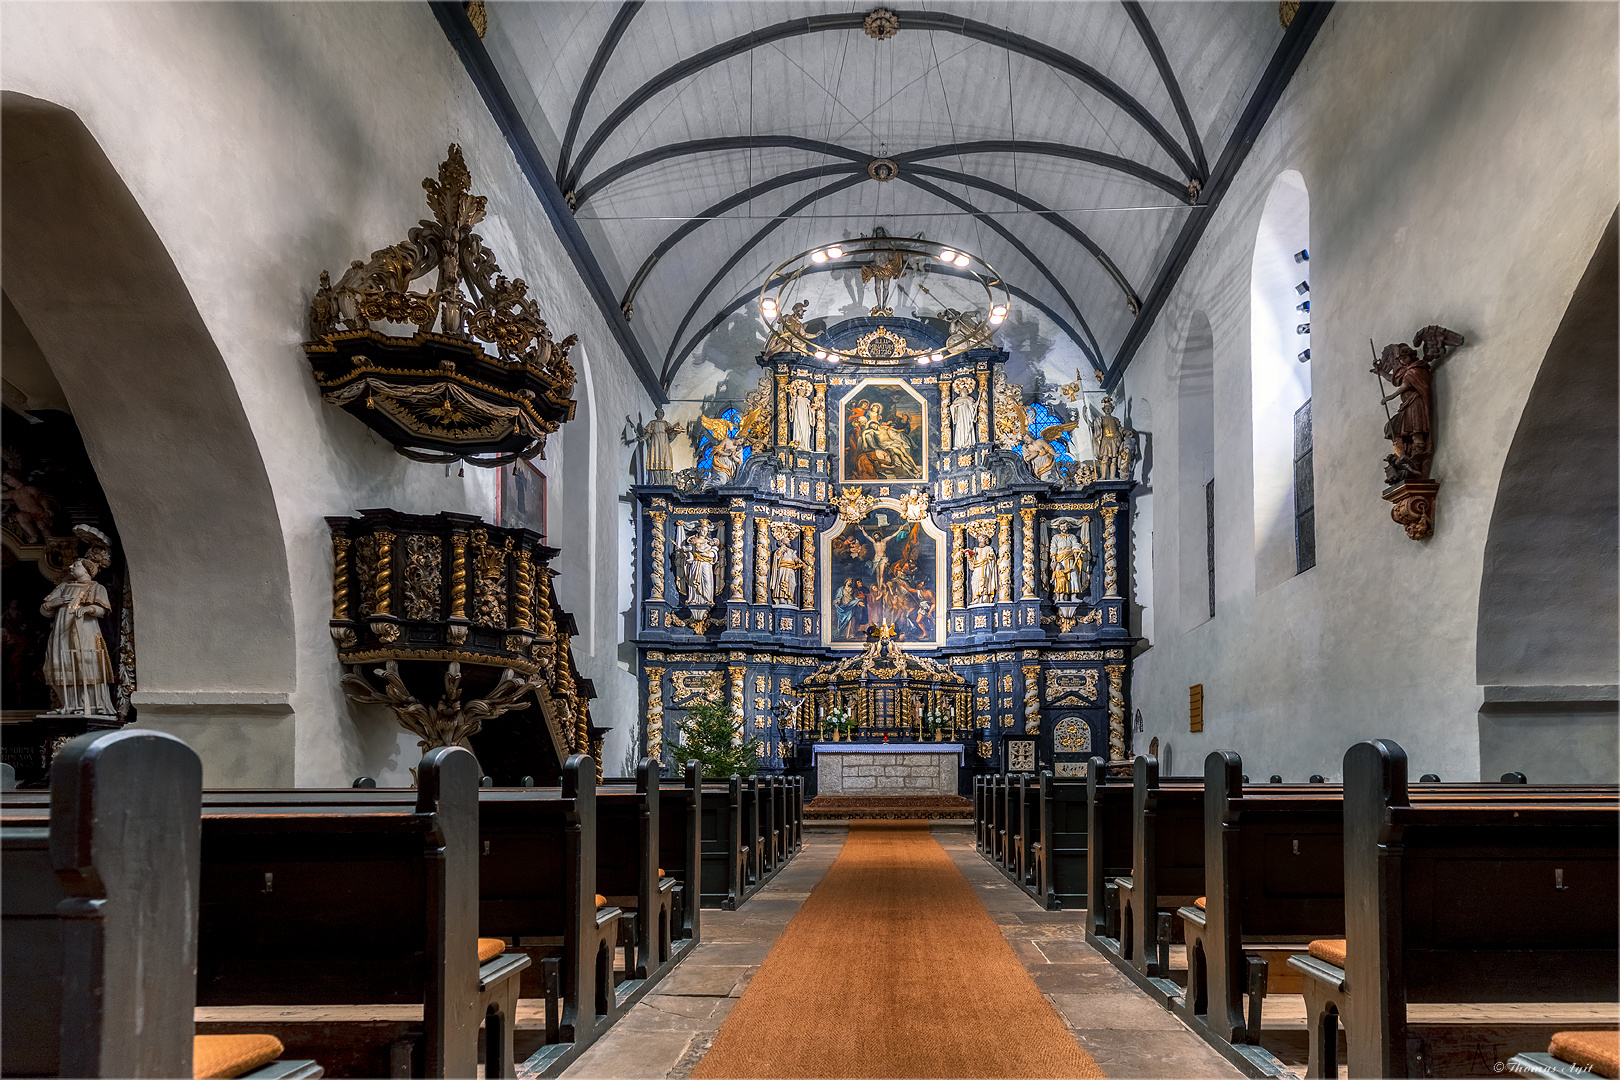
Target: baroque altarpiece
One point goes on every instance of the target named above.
(850, 512)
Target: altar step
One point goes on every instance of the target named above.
(888, 808)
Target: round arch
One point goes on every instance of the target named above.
(170, 442)
(1547, 633)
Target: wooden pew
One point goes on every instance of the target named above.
(1029, 836)
(353, 898)
(1273, 880)
(680, 841)
(628, 869)
(1006, 832)
(992, 810)
(978, 814)
(1459, 899)
(1167, 871)
(100, 882)
(725, 854)
(798, 814)
(537, 885)
(1108, 849)
(1060, 862)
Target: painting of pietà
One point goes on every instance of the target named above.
(884, 569)
(885, 433)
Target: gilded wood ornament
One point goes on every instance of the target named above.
(1032, 699)
(438, 395)
(655, 713)
(1030, 586)
(1117, 746)
(762, 560)
(738, 567)
(1004, 558)
(958, 584)
(656, 590)
(807, 549)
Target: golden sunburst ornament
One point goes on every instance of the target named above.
(881, 344)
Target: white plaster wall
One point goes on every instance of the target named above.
(1460, 161)
(266, 142)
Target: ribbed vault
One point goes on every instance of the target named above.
(695, 146)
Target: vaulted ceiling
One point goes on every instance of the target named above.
(690, 148)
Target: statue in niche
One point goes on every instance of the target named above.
(1107, 439)
(78, 667)
(695, 557)
(982, 573)
(1411, 430)
(656, 438)
(804, 415)
(785, 567)
(1068, 561)
(964, 415)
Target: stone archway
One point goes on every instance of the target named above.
(169, 440)
(1547, 633)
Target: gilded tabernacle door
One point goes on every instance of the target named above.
(884, 568)
(883, 425)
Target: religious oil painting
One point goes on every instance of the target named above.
(883, 569)
(884, 425)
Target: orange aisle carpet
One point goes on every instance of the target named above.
(893, 969)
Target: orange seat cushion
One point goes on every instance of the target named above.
(1199, 903)
(489, 948)
(231, 1055)
(601, 901)
(1328, 949)
(1595, 1050)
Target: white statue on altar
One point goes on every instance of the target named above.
(982, 579)
(78, 667)
(964, 416)
(804, 415)
(695, 557)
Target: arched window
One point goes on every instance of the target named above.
(1280, 362)
(1195, 461)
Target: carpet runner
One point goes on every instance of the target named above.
(893, 968)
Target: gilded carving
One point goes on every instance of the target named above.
(762, 560)
(1116, 712)
(423, 557)
(489, 579)
(340, 578)
(1071, 735)
(958, 586)
(821, 419)
(807, 550)
(984, 400)
(1065, 684)
(1009, 412)
(1032, 699)
(738, 689)
(944, 414)
(657, 592)
(1030, 590)
(1110, 563)
(737, 518)
(655, 713)
(1004, 559)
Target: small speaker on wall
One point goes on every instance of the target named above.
(1195, 704)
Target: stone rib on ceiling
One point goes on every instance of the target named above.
(704, 143)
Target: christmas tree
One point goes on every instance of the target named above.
(707, 736)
